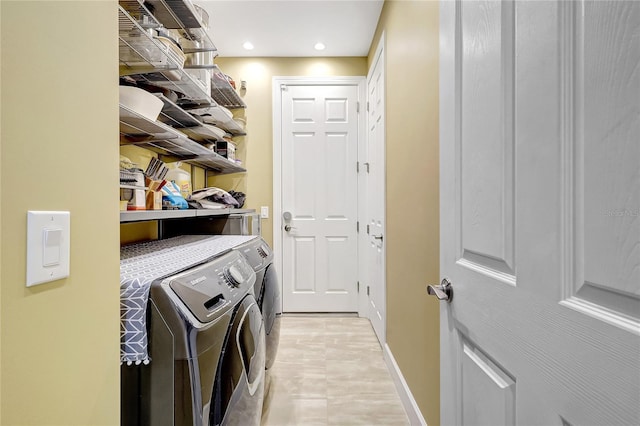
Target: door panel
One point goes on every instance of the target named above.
(375, 172)
(337, 171)
(604, 193)
(319, 189)
(486, 139)
(303, 110)
(481, 376)
(540, 189)
(338, 260)
(304, 255)
(336, 110)
(302, 161)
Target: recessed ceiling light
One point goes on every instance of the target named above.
(319, 46)
(248, 45)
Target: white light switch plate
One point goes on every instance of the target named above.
(264, 212)
(48, 244)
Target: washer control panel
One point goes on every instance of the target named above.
(210, 289)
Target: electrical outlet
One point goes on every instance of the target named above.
(264, 212)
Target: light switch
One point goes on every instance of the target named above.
(264, 212)
(51, 252)
(48, 246)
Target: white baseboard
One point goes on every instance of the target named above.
(410, 405)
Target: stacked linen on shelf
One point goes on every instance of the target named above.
(212, 198)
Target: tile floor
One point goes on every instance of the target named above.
(330, 371)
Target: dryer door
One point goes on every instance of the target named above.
(271, 308)
(239, 389)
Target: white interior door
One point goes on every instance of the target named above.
(375, 170)
(319, 191)
(540, 197)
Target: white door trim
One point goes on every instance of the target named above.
(278, 82)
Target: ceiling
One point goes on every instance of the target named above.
(292, 28)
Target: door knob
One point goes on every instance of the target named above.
(287, 216)
(444, 291)
(378, 237)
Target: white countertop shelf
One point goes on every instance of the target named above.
(146, 215)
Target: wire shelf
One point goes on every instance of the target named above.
(182, 16)
(146, 60)
(174, 116)
(158, 137)
(222, 91)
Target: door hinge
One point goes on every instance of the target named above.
(357, 106)
(358, 226)
(283, 87)
(367, 290)
(358, 286)
(367, 229)
(367, 106)
(357, 167)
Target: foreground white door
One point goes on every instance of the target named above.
(319, 191)
(540, 202)
(375, 173)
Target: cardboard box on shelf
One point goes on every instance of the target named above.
(226, 149)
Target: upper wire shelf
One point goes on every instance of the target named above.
(174, 14)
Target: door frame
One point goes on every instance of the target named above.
(277, 83)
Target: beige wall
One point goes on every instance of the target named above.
(257, 148)
(412, 214)
(59, 132)
(0, 218)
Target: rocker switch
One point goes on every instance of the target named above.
(51, 247)
(48, 246)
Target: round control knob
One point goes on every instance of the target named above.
(234, 276)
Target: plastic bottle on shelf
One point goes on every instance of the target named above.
(181, 177)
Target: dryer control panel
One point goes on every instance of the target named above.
(213, 288)
(257, 252)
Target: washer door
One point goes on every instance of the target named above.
(239, 389)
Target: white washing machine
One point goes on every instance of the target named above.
(204, 362)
